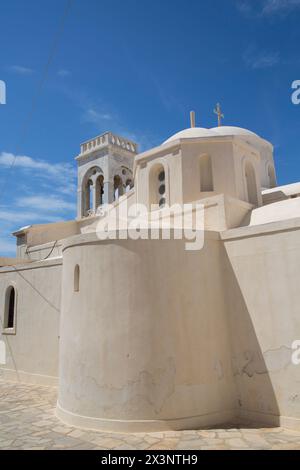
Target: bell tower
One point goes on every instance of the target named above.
(105, 166)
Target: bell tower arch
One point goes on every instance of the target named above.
(105, 166)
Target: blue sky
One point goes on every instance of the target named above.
(136, 67)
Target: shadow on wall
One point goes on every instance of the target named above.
(256, 399)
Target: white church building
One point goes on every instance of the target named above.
(143, 334)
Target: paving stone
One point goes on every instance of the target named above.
(83, 446)
(33, 448)
(172, 434)
(28, 421)
(6, 444)
(108, 443)
(40, 424)
(226, 435)
(287, 446)
(194, 444)
(76, 433)
(236, 442)
(159, 435)
(150, 440)
(126, 447)
(208, 434)
(61, 430)
(212, 441)
(254, 438)
(216, 447)
(164, 444)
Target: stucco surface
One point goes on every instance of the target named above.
(31, 355)
(151, 354)
(151, 336)
(265, 321)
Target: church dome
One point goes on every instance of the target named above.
(192, 133)
(232, 130)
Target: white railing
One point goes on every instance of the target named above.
(106, 139)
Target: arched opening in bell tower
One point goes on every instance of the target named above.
(99, 190)
(118, 187)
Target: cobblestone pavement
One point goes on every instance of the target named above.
(27, 421)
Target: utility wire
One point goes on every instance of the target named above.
(42, 81)
(44, 76)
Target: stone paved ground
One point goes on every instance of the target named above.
(27, 421)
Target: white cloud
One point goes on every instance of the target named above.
(94, 112)
(279, 6)
(8, 159)
(255, 59)
(244, 7)
(264, 8)
(95, 117)
(20, 70)
(63, 73)
(63, 174)
(13, 217)
(43, 192)
(45, 202)
(54, 185)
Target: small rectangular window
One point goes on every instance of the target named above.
(10, 311)
(76, 278)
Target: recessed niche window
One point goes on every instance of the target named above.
(76, 278)
(10, 311)
(206, 175)
(251, 184)
(271, 176)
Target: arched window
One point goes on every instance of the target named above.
(251, 184)
(271, 176)
(76, 278)
(10, 310)
(206, 175)
(157, 186)
(99, 190)
(92, 190)
(118, 187)
(88, 197)
(128, 185)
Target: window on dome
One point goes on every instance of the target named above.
(157, 186)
